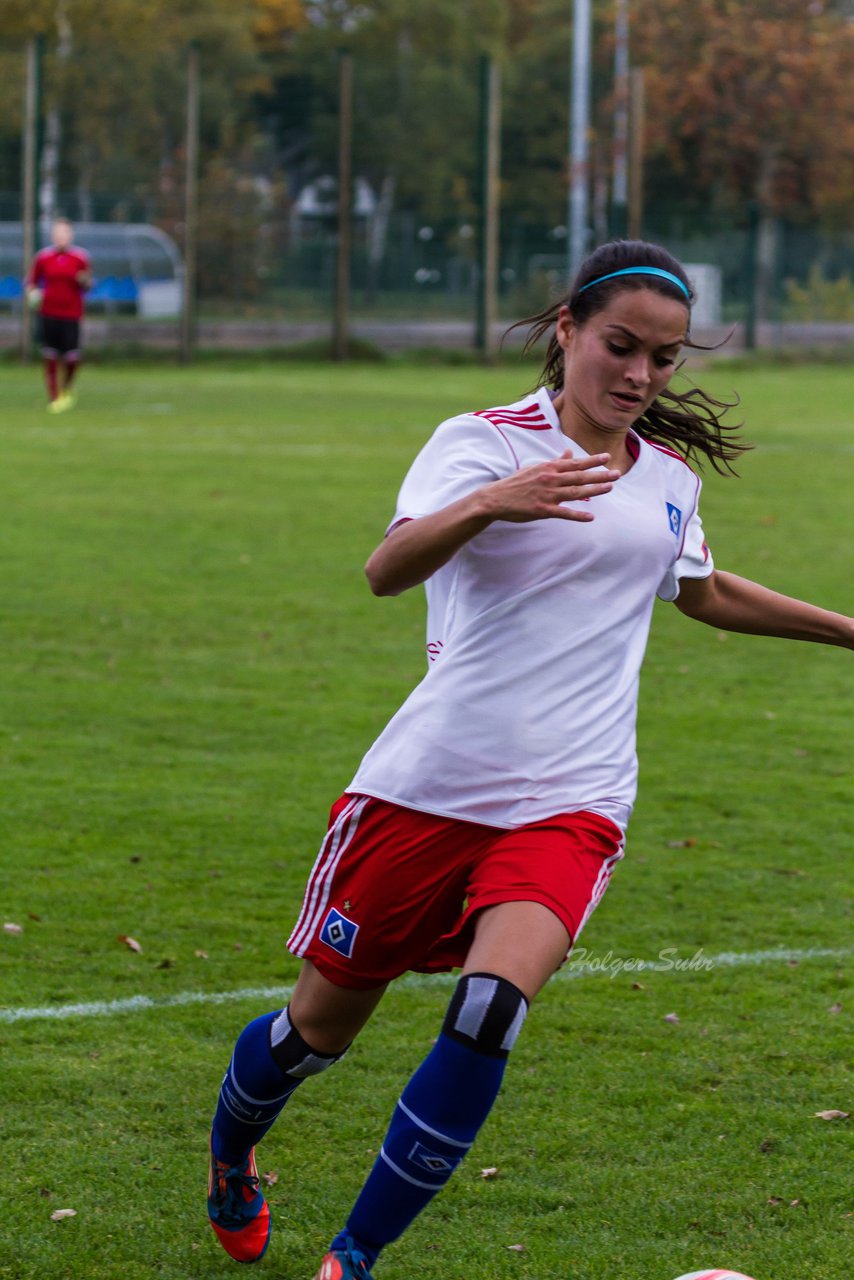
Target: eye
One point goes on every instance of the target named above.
(665, 362)
(617, 349)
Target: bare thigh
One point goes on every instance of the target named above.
(524, 942)
(329, 1017)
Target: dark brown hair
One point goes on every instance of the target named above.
(690, 421)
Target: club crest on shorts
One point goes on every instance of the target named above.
(339, 933)
(674, 519)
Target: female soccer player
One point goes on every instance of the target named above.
(483, 826)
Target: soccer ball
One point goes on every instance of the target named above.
(714, 1274)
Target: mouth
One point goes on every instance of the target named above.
(626, 400)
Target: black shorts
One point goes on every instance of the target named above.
(59, 337)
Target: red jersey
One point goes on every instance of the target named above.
(54, 271)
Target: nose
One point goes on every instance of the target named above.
(637, 370)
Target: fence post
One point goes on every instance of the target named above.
(341, 324)
(637, 116)
(750, 275)
(29, 177)
(490, 139)
(191, 207)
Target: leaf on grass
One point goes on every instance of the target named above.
(515, 1248)
(9, 927)
(270, 1179)
(200, 955)
(638, 986)
(491, 1172)
(130, 943)
(775, 1199)
(238, 946)
(671, 1017)
(59, 1214)
(835, 1008)
(33, 916)
(832, 1115)
(165, 963)
(682, 844)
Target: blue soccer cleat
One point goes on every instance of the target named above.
(348, 1263)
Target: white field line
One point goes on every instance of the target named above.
(606, 965)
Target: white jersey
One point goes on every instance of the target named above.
(535, 632)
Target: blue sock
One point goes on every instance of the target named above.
(440, 1111)
(270, 1061)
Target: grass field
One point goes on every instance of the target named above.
(192, 667)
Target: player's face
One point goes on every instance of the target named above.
(60, 234)
(620, 359)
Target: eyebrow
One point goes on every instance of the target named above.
(677, 342)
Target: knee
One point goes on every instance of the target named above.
(486, 1013)
(293, 1054)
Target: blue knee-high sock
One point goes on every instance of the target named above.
(433, 1126)
(269, 1062)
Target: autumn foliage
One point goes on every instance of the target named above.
(752, 101)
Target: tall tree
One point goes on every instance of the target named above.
(752, 101)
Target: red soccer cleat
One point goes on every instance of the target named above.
(239, 1214)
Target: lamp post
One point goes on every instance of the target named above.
(579, 145)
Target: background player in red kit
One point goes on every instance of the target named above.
(56, 285)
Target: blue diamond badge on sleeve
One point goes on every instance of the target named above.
(339, 933)
(674, 519)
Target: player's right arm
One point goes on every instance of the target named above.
(33, 283)
(413, 550)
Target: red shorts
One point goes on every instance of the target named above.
(394, 889)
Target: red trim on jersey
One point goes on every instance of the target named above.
(532, 418)
(398, 523)
(671, 453)
(492, 423)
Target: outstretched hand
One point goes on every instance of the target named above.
(536, 493)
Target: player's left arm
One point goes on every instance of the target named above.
(83, 278)
(730, 603)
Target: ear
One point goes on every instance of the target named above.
(565, 328)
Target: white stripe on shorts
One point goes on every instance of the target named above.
(602, 881)
(334, 845)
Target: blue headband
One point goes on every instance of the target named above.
(640, 271)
